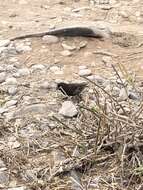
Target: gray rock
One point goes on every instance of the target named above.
(4, 43)
(10, 103)
(2, 164)
(4, 178)
(50, 39)
(2, 68)
(45, 85)
(97, 79)
(84, 72)
(68, 109)
(133, 96)
(11, 68)
(11, 81)
(3, 110)
(12, 90)
(2, 77)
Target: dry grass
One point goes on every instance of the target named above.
(99, 149)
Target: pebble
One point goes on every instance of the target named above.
(11, 81)
(81, 67)
(68, 109)
(11, 68)
(96, 78)
(37, 67)
(2, 69)
(123, 95)
(133, 96)
(10, 103)
(66, 53)
(2, 77)
(23, 72)
(12, 90)
(57, 70)
(3, 110)
(68, 47)
(17, 188)
(4, 178)
(107, 60)
(4, 43)
(84, 72)
(50, 39)
(22, 48)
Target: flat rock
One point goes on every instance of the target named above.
(84, 72)
(11, 81)
(2, 77)
(24, 72)
(66, 53)
(4, 43)
(48, 39)
(68, 109)
(10, 103)
(12, 90)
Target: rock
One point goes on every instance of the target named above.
(97, 79)
(57, 70)
(10, 103)
(11, 81)
(68, 109)
(37, 67)
(13, 143)
(3, 110)
(82, 67)
(2, 164)
(24, 72)
(123, 95)
(66, 53)
(107, 60)
(4, 178)
(84, 72)
(12, 90)
(22, 48)
(68, 47)
(4, 43)
(2, 68)
(50, 39)
(11, 68)
(2, 77)
(17, 188)
(133, 96)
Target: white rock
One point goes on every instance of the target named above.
(17, 188)
(3, 110)
(37, 67)
(68, 47)
(50, 39)
(4, 178)
(4, 43)
(107, 60)
(81, 67)
(66, 53)
(10, 103)
(45, 85)
(84, 72)
(2, 77)
(24, 72)
(68, 109)
(57, 70)
(11, 81)
(11, 68)
(123, 95)
(12, 90)
(2, 68)
(22, 48)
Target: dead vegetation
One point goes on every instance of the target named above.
(102, 148)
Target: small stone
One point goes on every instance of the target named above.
(2, 164)
(22, 48)
(11, 68)
(37, 67)
(97, 79)
(50, 39)
(124, 14)
(17, 188)
(10, 103)
(57, 70)
(81, 67)
(2, 69)
(11, 81)
(4, 178)
(133, 96)
(68, 47)
(84, 72)
(12, 90)
(24, 72)
(123, 95)
(4, 43)
(107, 60)
(68, 109)
(66, 53)
(3, 110)
(2, 77)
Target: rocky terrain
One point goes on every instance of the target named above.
(49, 141)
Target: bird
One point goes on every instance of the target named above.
(71, 89)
